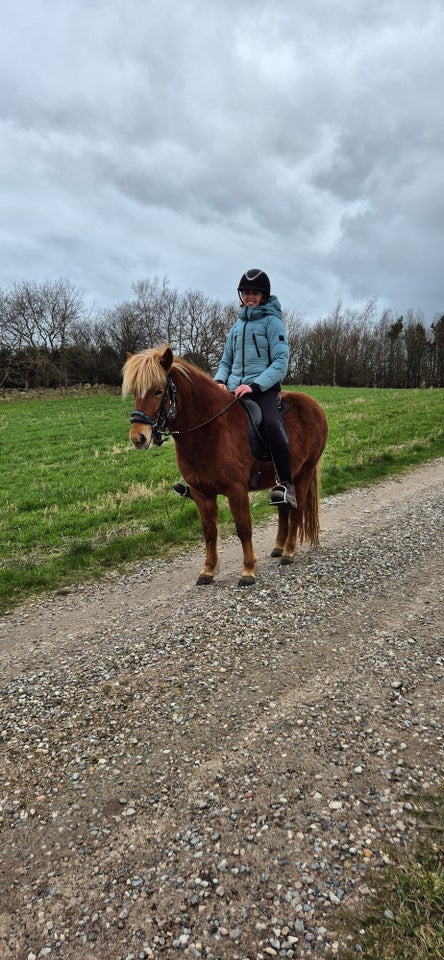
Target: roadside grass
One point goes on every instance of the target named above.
(77, 500)
(375, 433)
(404, 917)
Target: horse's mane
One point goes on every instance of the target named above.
(144, 371)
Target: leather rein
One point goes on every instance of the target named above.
(167, 410)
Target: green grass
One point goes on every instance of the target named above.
(375, 433)
(77, 500)
(404, 919)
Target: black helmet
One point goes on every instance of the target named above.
(255, 280)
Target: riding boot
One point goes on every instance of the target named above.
(283, 492)
(281, 461)
(182, 489)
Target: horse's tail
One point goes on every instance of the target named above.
(310, 528)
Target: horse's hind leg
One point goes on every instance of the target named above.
(281, 535)
(240, 508)
(296, 518)
(288, 524)
(207, 507)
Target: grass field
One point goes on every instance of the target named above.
(77, 499)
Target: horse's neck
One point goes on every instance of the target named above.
(200, 390)
(199, 397)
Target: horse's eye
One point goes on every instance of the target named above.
(158, 393)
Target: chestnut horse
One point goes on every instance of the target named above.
(213, 452)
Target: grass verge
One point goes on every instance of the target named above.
(77, 500)
(404, 918)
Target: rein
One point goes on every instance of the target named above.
(161, 432)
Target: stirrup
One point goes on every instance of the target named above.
(283, 493)
(182, 489)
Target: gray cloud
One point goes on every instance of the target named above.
(194, 141)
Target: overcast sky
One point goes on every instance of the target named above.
(193, 140)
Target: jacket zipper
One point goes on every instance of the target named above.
(255, 343)
(244, 331)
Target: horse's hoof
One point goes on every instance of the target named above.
(286, 560)
(246, 581)
(204, 579)
(276, 552)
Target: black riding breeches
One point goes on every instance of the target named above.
(275, 433)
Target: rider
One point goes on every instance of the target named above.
(254, 363)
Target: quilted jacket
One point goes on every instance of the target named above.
(256, 351)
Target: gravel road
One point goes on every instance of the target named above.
(215, 772)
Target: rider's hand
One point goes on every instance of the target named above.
(242, 390)
(222, 385)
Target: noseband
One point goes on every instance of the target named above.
(159, 424)
(167, 409)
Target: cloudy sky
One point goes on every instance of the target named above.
(192, 140)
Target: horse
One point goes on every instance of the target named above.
(210, 428)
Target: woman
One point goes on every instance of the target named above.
(254, 363)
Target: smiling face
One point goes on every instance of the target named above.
(251, 298)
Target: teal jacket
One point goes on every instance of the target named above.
(256, 351)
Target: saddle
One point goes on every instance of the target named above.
(258, 443)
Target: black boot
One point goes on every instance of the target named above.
(182, 489)
(283, 492)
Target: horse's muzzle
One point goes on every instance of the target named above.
(139, 438)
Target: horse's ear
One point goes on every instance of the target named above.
(128, 355)
(166, 359)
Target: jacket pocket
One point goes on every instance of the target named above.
(256, 345)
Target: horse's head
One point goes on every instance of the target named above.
(146, 376)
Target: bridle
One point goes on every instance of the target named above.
(167, 410)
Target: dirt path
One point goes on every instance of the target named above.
(210, 772)
(64, 620)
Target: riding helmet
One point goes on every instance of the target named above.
(255, 280)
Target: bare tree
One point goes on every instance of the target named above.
(148, 319)
(297, 345)
(415, 340)
(37, 319)
(47, 338)
(438, 351)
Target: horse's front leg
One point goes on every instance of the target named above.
(207, 507)
(240, 508)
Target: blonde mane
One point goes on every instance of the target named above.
(144, 371)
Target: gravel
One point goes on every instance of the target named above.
(216, 772)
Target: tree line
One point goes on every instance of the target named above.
(48, 338)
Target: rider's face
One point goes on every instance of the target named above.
(251, 298)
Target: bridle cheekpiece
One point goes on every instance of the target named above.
(167, 409)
